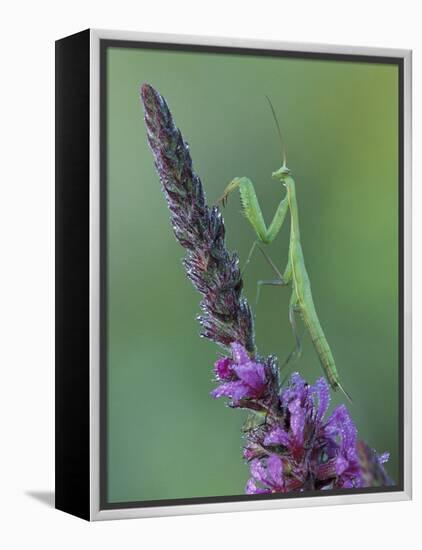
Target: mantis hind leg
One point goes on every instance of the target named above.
(267, 282)
(296, 352)
(281, 280)
(293, 309)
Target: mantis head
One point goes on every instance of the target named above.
(281, 174)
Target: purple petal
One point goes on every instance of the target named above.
(295, 405)
(258, 471)
(223, 368)
(322, 392)
(297, 419)
(341, 425)
(287, 395)
(348, 436)
(341, 465)
(252, 374)
(336, 420)
(252, 489)
(275, 470)
(278, 436)
(348, 484)
(240, 355)
(297, 389)
(236, 390)
(297, 380)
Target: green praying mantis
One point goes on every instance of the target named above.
(295, 273)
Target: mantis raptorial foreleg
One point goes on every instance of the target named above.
(252, 210)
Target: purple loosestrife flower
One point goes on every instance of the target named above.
(215, 273)
(304, 451)
(294, 448)
(242, 378)
(246, 382)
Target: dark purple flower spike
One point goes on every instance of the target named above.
(215, 273)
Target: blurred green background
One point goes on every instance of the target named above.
(167, 437)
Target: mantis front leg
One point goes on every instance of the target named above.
(252, 210)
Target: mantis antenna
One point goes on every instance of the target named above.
(283, 147)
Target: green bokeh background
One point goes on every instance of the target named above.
(167, 438)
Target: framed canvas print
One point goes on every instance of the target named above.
(233, 300)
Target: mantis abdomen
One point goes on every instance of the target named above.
(311, 321)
